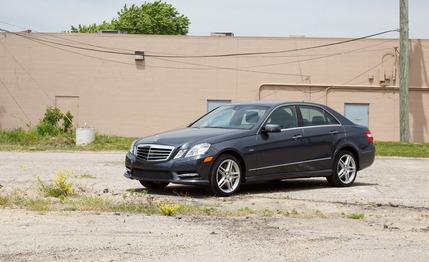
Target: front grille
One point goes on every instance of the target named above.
(154, 152)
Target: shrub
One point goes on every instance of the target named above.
(67, 122)
(50, 123)
(52, 116)
(60, 187)
(46, 129)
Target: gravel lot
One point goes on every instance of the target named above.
(393, 194)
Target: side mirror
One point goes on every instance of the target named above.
(271, 128)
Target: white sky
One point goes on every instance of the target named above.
(324, 18)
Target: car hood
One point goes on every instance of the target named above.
(191, 135)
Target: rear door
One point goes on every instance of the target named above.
(321, 131)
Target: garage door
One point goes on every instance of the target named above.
(357, 113)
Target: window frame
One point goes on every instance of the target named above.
(274, 109)
(297, 105)
(325, 112)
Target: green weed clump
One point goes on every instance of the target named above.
(59, 187)
(168, 209)
(356, 215)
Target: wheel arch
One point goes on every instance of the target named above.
(352, 149)
(239, 157)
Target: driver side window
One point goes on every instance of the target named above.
(284, 116)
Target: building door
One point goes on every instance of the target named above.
(212, 104)
(69, 104)
(357, 113)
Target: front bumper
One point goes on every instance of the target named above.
(180, 171)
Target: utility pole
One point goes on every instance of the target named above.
(403, 76)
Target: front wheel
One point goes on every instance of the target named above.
(153, 184)
(225, 176)
(344, 170)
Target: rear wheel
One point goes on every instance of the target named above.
(225, 177)
(344, 171)
(153, 184)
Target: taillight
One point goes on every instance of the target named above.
(368, 136)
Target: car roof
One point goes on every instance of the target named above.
(275, 103)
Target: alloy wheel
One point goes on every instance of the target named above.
(228, 176)
(346, 169)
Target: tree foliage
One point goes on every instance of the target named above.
(157, 18)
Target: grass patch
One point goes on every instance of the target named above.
(356, 215)
(30, 140)
(17, 199)
(402, 149)
(141, 205)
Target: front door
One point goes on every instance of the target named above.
(277, 152)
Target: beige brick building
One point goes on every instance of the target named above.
(118, 95)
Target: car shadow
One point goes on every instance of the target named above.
(289, 185)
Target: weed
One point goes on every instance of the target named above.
(210, 211)
(168, 209)
(267, 212)
(244, 211)
(87, 175)
(4, 201)
(320, 214)
(60, 187)
(356, 215)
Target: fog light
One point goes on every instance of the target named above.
(185, 175)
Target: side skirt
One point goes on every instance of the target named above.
(318, 173)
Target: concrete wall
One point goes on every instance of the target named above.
(118, 96)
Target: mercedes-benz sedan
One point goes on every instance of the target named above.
(262, 141)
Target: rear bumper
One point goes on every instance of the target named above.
(180, 171)
(366, 158)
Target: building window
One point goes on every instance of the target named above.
(358, 113)
(212, 104)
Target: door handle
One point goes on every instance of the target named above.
(333, 132)
(297, 136)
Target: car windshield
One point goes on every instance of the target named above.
(232, 116)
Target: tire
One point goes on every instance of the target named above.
(153, 184)
(344, 170)
(224, 181)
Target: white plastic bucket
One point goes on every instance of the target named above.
(85, 135)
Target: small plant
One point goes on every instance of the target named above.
(87, 175)
(67, 122)
(168, 209)
(356, 215)
(60, 187)
(210, 211)
(267, 212)
(4, 201)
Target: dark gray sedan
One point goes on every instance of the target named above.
(261, 141)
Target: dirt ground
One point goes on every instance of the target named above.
(393, 195)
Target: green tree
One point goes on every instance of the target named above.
(157, 18)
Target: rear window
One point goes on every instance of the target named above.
(314, 116)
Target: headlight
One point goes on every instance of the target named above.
(133, 148)
(198, 150)
(180, 153)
